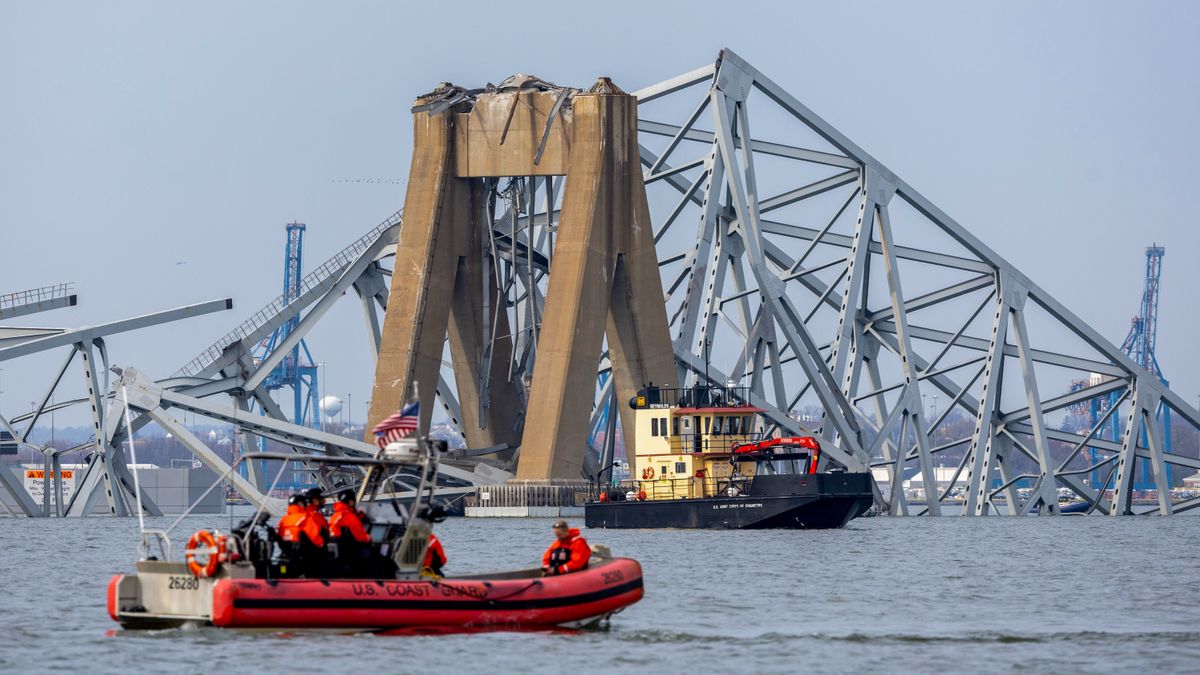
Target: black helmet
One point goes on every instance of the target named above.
(314, 494)
(296, 499)
(346, 496)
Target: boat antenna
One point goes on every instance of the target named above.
(137, 486)
(707, 344)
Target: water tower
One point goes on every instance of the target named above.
(331, 407)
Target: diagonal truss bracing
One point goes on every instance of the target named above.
(864, 302)
(798, 265)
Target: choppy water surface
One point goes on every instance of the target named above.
(884, 594)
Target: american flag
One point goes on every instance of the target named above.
(399, 425)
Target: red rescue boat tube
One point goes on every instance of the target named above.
(112, 600)
(513, 599)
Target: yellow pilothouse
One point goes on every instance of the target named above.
(685, 437)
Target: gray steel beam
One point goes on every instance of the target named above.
(213, 461)
(1048, 494)
(34, 301)
(776, 149)
(229, 348)
(981, 450)
(1038, 355)
(902, 252)
(343, 283)
(261, 424)
(90, 333)
(911, 398)
(15, 335)
(16, 489)
(701, 74)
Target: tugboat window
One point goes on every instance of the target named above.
(662, 425)
(653, 426)
(675, 426)
(680, 467)
(718, 423)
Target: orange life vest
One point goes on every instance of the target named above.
(567, 556)
(292, 523)
(345, 520)
(435, 555)
(315, 526)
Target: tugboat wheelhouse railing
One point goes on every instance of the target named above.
(706, 486)
(716, 443)
(699, 396)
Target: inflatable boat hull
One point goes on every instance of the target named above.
(514, 600)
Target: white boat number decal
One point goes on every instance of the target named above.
(738, 506)
(183, 584)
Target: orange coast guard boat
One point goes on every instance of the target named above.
(165, 594)
(239, 582)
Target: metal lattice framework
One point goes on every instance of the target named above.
(229, 368)
(813, 275)
(832, 278)
(106, 472)
(819, 278)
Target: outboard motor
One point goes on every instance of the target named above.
(255, 541)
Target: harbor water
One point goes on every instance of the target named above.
(970, 595)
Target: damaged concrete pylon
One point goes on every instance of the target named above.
(604, 281)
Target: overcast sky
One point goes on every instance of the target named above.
(152, 152)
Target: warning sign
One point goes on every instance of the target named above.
(35, 484)
(67, 474)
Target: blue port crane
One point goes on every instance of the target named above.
(1139, 345)
(298, 370)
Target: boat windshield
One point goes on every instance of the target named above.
(785, 461)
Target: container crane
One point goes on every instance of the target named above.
(298, 370)
(1140, 345)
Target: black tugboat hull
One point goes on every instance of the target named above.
(819, 501)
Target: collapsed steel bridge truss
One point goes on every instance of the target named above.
(815, 272)
(226, 368)
(805, 269)
(812, 273)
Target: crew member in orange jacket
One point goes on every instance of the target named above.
(346, 522)
(435, 557)
(315, 530)
(568, 553)
(290, 527)
(347, 531)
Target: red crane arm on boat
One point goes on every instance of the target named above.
(802, 441)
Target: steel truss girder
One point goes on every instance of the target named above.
(148, 397)
(734, 237)
(1002, 438)
(107, 473)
